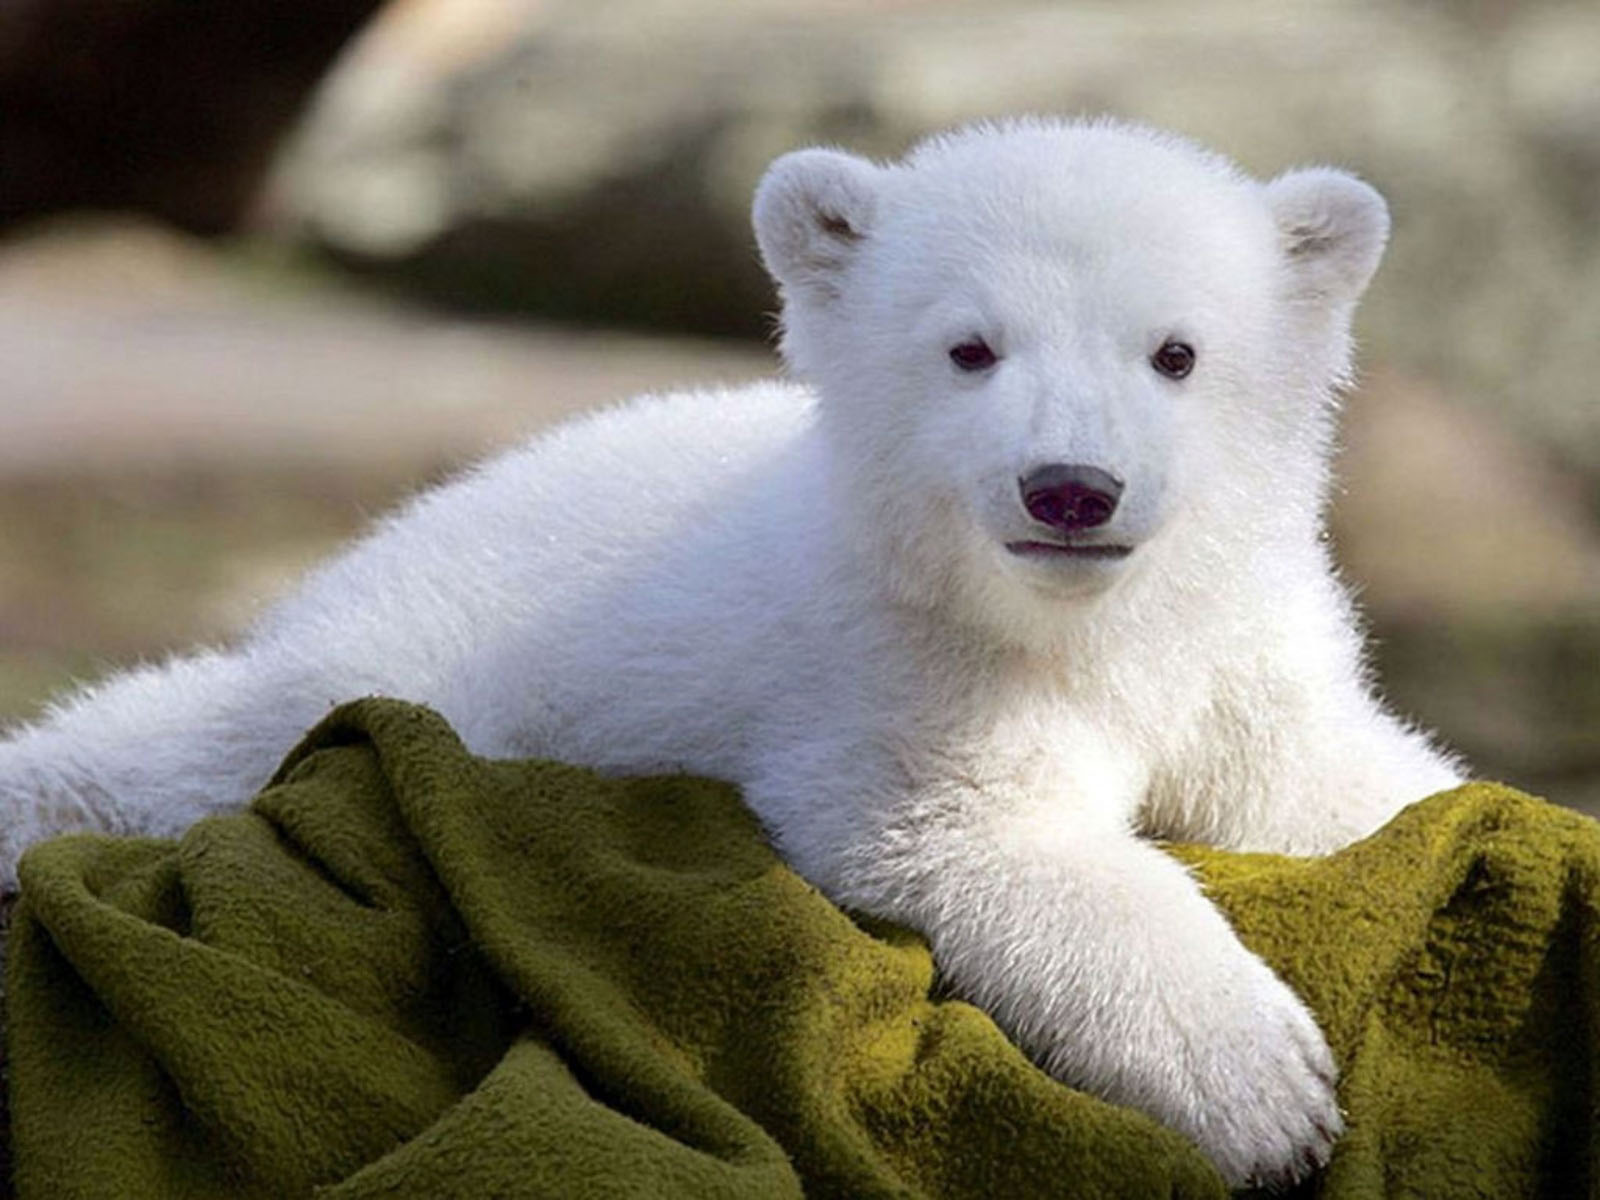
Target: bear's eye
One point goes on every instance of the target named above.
(973, 355)
(1175, 359)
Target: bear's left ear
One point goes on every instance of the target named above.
(1332, 228)
(812, 210)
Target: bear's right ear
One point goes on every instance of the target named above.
(812, 210)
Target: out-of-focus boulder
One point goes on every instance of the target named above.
(166, 106)
(595, 160)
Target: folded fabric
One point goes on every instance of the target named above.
(413, 972)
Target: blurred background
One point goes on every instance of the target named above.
(267, 266)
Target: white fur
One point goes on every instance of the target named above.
(805, 588)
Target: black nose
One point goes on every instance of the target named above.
(1070, 496)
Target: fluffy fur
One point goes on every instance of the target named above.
(807, 588)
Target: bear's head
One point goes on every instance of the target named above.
(1053, 358)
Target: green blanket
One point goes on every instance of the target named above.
(414, 973)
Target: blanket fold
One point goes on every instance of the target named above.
(413, 972)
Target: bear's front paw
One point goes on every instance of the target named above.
(1259, 1098)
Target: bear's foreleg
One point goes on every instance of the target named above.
(1100, 956)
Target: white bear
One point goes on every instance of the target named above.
(1026, 567)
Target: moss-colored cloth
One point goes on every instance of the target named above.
(410, 972)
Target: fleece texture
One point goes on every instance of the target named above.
(410, 971)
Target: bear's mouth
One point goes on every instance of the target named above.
(1070, 550)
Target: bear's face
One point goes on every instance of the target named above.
(1048, 369)
(1044, 351)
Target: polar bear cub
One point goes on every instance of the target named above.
(1026, 564)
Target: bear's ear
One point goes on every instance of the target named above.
(1332, 228)
(812, 210)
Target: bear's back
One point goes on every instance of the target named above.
(540, 532)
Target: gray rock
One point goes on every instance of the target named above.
(594, 160)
